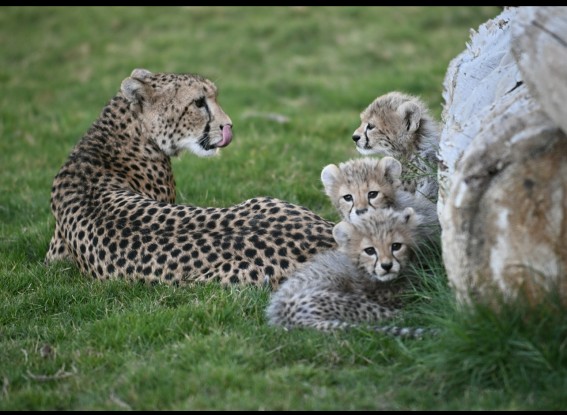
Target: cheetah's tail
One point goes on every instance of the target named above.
(396, 331)
(406, 332)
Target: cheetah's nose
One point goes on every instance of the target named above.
(226, 132)
(361, 211)
(387, 266)
(355, 138)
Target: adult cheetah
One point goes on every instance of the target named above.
(114, 198)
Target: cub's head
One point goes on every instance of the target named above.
(180, 111)
(389, 124)
(382, 245)
(359, 186)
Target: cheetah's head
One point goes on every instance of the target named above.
(380, 246)
(360, 186)
(180, 111)
(388, 125)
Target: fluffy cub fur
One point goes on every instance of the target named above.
(360, 186)
(360, 282)
(399, 125)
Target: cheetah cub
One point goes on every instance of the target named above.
(360, 186)
(399, 125)
(361, 282)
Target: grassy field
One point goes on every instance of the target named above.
(293, 80)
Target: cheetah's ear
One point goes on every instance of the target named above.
(134, 87)
(330, 176)
(140, 74)
(408, 216)
(391, 170)
(410, 112)
(342, 232)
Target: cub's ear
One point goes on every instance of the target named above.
(391, 170)
(134, 87)
(408, 216)
(410, 112)
(330, 176)
(342, 232)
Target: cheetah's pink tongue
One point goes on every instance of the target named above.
(226, 136)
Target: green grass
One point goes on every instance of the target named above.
(70, 343)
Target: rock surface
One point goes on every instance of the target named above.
(503, 159)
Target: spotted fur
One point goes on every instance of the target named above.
(361, 283)
(400, 126)
(114, 198)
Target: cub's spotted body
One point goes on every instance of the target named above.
(114, 198)
(359, 283)
(400, 126)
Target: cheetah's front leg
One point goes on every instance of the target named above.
(57, 248)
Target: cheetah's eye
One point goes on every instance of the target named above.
(370, 127)
(348, 198)
(372, 195)
(396, 246)
(370, 250)
(200, 103)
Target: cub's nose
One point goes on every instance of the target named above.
(387, 266)
(355, 138)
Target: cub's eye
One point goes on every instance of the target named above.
(372, 195)
(370, 127)
(348, 198)
(370, 250)
(200, 103)
(396, 246)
